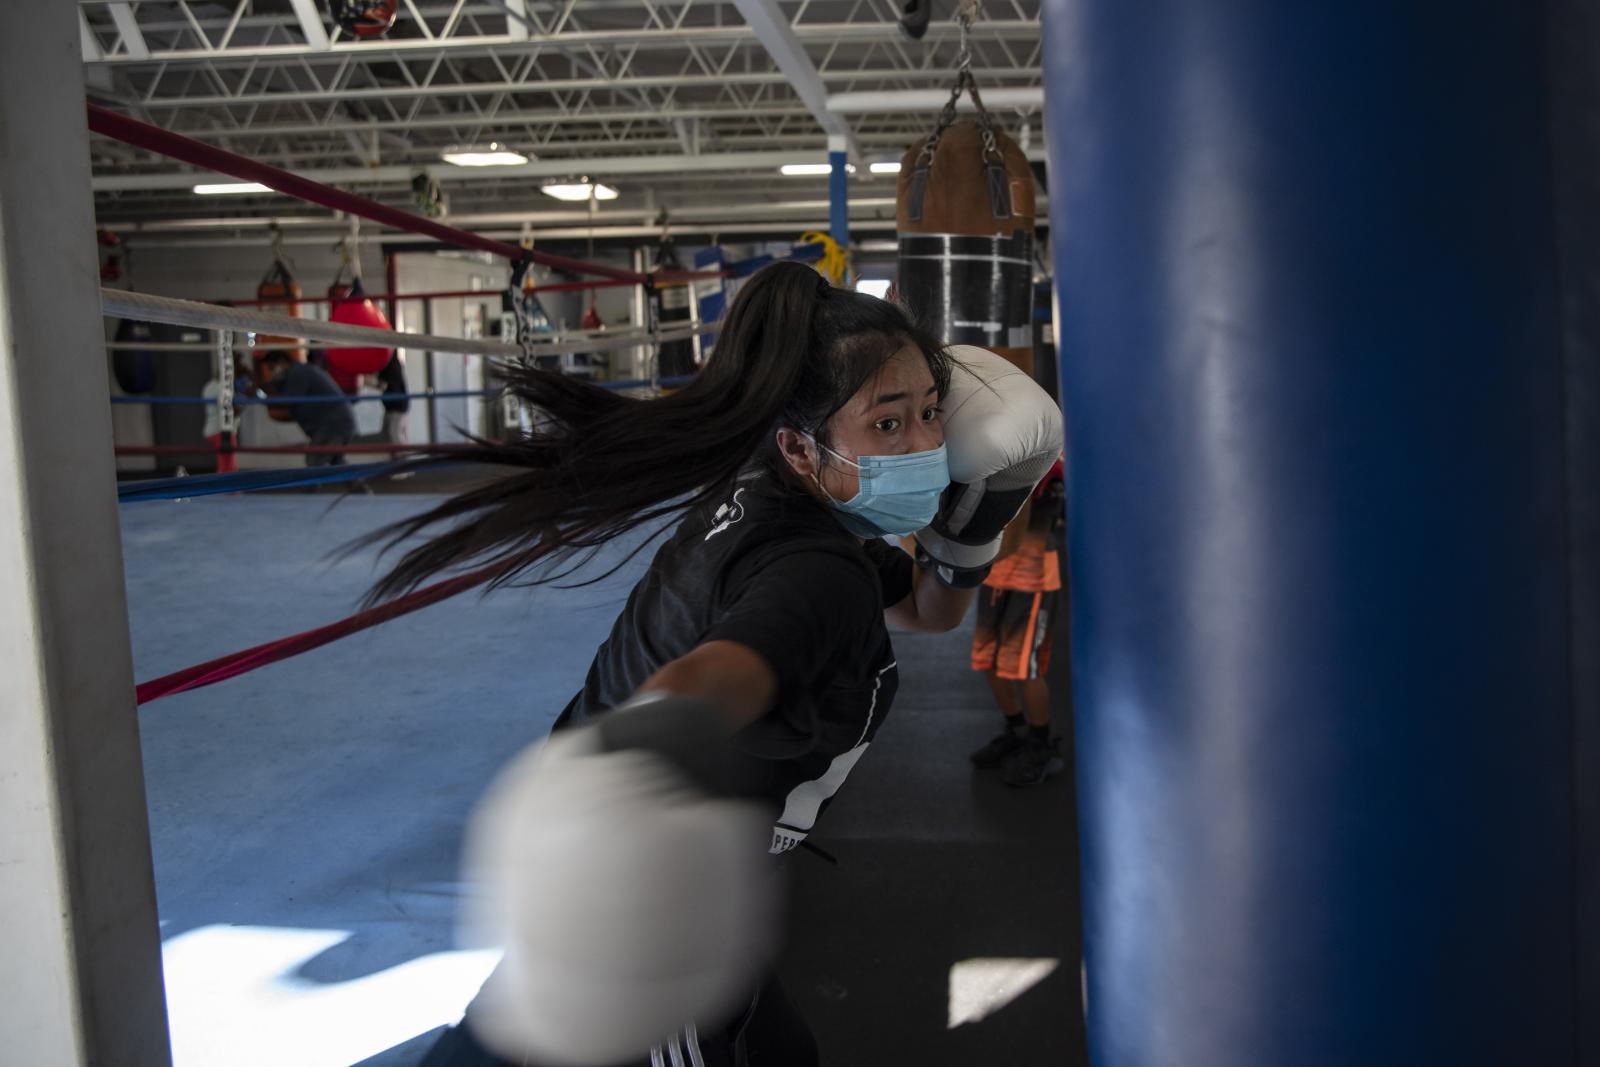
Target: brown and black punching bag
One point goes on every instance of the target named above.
(965, 221)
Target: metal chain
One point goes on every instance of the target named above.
(966, 13)
(964, 17)
(278, 255)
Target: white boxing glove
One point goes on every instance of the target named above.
(1001, 432)
(628, 882)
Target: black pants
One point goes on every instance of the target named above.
(769, 1033)
(324, 436)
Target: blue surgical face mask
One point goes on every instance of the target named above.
(899, 495)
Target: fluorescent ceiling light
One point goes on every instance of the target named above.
(886, 168)
(493, 156)
(578, 191)
(797, 170)
(231, 187)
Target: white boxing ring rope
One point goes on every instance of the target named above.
(144, 307)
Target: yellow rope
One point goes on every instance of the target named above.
(835, 262)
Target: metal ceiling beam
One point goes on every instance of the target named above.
(892, 100)
(605, 216)
(594, 166)
(503, 118)
(713, 162)
(645, 37)
(557, 85)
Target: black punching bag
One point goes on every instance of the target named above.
(135, 368)
(1329, 283)
(671, 307)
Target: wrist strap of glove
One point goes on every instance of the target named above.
(687, 733)
(952, 577)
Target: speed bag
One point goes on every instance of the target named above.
(348, 364)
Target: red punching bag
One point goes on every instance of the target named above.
(346, 365)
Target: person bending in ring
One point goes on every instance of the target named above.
(625, 863)
(327, 420)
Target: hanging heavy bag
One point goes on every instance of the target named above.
(133, 368)
(347, 365)
(965, 216)
(964, 212)
(670, 303)
(279, 285)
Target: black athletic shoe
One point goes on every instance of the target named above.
(996, 752)
(1033, 762)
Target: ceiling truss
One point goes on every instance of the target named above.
(561, 81)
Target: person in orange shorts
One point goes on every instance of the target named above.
(1017, 611)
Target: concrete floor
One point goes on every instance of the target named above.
(305, 817)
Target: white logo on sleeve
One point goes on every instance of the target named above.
(727, 515)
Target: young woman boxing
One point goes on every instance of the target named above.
(627, 859)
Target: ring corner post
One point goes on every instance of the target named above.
(81, 975)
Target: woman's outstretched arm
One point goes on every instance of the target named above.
(728, 676)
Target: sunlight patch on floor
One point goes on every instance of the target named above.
(981, 987)
(233, 998)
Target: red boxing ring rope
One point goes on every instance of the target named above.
(176, 146)
(237, 663)
(354, 448)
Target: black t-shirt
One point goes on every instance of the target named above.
(773, 570)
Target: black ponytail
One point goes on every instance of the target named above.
(792, 352)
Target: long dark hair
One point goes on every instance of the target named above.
(792, 352)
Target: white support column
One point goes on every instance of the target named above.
(310, 17)
(80, 952)
(777, 36)
(91, 47)
(517, 19)
(133, 45)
